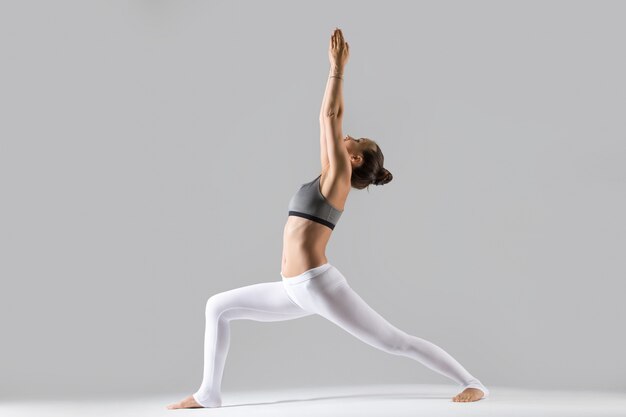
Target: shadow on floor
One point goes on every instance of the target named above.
(399, 396)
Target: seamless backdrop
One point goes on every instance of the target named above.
(149, 149)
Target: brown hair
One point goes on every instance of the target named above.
(371, 171)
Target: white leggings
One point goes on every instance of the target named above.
(321, 290)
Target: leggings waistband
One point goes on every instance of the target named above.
(308, 274)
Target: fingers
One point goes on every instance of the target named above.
(336, 40)
(336, 37)
(338, 33)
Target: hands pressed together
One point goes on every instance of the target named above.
(338, 51)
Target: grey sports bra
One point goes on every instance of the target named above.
(308, 202)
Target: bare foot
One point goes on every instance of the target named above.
(469, 394)
(188, 402)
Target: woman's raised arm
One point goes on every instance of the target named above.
(331, 114)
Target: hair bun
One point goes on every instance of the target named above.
(384, 177)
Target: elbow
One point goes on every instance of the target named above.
(332, 112)
(333, 116)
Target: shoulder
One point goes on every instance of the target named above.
(335, 186)
(338, 177)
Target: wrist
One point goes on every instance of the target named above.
(336, 70)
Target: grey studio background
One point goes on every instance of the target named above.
(149, 150)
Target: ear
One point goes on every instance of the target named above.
(358, 159)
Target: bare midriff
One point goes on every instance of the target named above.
(304, 245)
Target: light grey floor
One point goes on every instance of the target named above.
(362, 401)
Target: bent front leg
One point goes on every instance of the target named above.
(266, 301)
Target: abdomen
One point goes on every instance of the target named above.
(304, 245)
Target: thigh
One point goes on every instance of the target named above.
(265, 301)
(344, 307)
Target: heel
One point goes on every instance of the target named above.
(209, 403)
(478, 385)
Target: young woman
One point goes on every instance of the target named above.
(310, 284)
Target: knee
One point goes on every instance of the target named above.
(396, 345)
(214, 306)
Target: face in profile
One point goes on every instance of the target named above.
(356, 147)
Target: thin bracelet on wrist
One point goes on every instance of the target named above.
(335, 76)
